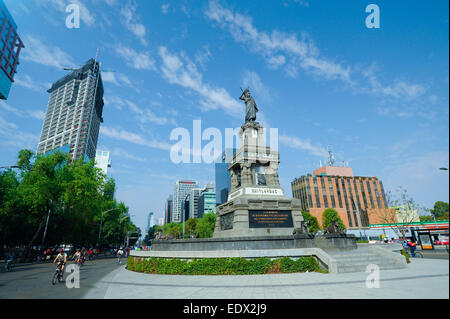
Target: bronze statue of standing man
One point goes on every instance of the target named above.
(250, 106)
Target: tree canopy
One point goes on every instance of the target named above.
(313, 223)
(71, 194)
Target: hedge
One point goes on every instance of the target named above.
(222, 266)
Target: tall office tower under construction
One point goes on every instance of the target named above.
(74, 113)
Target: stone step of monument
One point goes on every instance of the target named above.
(363, 268)
(358, 260)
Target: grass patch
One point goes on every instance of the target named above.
(222, 266)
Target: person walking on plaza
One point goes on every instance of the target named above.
(412, 247)
(119, 255)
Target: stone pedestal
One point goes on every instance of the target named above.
(257, 205)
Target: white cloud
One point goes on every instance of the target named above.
(251, 79)
(86, 16)
(304, 145)
(134, 138)
(398, 90)
(36, 114)
(278, 48)
(27, 82)
(11, 135)
(124, 154)
(45, 54)
(134, 59)
(143, 115)
(165, 8)
(178, 69)
(117, 79)
(129, 18)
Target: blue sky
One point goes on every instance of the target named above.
(379, 97)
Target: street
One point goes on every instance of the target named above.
(33, 281)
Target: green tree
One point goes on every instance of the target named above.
(313, 223)
(151, 234)
(205, 226)
(190, 225)
(176, 230)
(63, 198)
(426, 218)
(439, 209)
(329, 216)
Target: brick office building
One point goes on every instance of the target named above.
(359, 201)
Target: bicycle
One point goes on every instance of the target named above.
(58, 276)
(9, 264)
(417, 254)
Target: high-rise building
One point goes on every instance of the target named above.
(182, 188)
(74, 113)
(194, 202)
(160, 221)
(207, 201)
(222, 175)
(168, 209)
(185, 208)
(359, 201)
(10, 46)
(103, 161)
(150, 221)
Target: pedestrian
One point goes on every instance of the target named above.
(119, 255)
(412, 247)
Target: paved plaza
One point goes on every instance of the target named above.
(423, 278)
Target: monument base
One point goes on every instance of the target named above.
(331, 242)
(251, 216)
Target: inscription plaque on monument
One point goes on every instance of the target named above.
(270, 218)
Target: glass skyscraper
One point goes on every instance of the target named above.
(103, 161)
(168, 210)
(223, 177)
(74, 113)
(207, 201)
(10, 46)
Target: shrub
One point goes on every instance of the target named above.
(221, 266)
(329, 216)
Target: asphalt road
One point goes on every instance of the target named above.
(33, 281)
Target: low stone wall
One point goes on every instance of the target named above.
(331, 242)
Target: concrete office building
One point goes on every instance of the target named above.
(359, 201)
(168, 210)
(74, 113)
(182, 188)
(10, 47)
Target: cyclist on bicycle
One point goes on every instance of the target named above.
(77, 257)
(62, 259)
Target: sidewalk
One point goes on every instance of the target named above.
(423, 278)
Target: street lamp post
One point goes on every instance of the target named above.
(101, 224)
